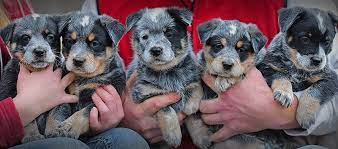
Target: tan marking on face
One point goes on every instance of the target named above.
(208, 58)
(223, 41)
(73, 35)
(293, 58)
(91, 37)
(109, 52)
(198, 131)
(290, 39)
(170, 127)
(282, 84)
(239, 44)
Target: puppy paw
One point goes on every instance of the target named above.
(31, 138)
(63, 130)
(190, 108)
(283, 97)
(222, 84)
(173, 138)
(305, 121)
(306, 111)
(202, 142)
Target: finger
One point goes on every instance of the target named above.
(181, 117)
(154, 104)
(222, 134)
(156, 140)
(94, 118)
(70, 98)
(148, 123)
(209, 80)
(107, 99)
(67, 80)
(58, 73)
(210, 106)
(23, 72)
(100, 105)
(131, 79)
(212, 119)
(152, 133)
(113, 92)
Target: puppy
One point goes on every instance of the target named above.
(297, 61)
(164, 62)
(35, 43)
(91, 53)
(230, 50)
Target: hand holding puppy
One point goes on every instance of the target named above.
(139, 117)
(246, 107)
(38, 92)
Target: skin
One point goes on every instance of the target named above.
(108, 111)
(45, 88)
(139, 117)
(243, 108)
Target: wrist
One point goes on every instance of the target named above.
(288, 118)
(26, 112)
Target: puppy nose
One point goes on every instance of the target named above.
(156, 51)
(78, 62)
(227, 66)
(39, 52)
(316, 60)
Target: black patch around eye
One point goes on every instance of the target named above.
(215, 44)
(24, 39)
(169, 33)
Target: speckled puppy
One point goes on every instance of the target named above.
(230, 50)
(164, 62)
(35, 43)
(90, 51)
(297, 61)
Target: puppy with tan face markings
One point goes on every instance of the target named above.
(164, 62)
(34, 42)
(297, 61)
(231, 50)
(90, 50)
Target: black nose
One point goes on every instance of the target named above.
(156, 51)
(227, 66)
(78, 62)
(316, 60)
(39, 52)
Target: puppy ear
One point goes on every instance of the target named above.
(7, 33)
(114, 28)
(205, 29)
(334, 19)
(287, 16)
(257, 38)
(133, 19)
(63, 20)
(182, 15)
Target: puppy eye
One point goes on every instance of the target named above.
(25, 38)
(169, 33)
(145, 37)
(94, 44)
(305, 39)
(327, 43)
(218, 47)
(50, 37)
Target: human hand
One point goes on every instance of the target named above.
(247, 107)
(38, 92)
(108, 111)
(139, 117)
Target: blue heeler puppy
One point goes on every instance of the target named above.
(91, 53)
(231, 50)
(297, 60)
(164, 62)
(35, 43)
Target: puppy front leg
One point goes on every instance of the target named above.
(196, 93)
(170, 126)
(313, 97)
(54, 119)
(198, 131)
(32, 133)
(282, 91)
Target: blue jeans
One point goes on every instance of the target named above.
(53, 143)
(117, 138)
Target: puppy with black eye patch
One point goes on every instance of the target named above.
(91, 53)
(164, 63)
(231, 50)
(297, 61)
(34, 42)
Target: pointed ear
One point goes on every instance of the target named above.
(7, 33)
(182, 15)
(63, 20)
(133, 19)
(205, 29)
(334, 19)
(257, 38)
(114, 28)
(287, 16)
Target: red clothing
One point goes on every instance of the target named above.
(11, 128)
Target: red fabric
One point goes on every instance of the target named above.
(11, 128)
(4, 52)
(17, 8)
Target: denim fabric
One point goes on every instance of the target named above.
(118, 138)
(53, 143)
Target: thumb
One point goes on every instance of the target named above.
(23, 72)
(222, 134)
(67, 98)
